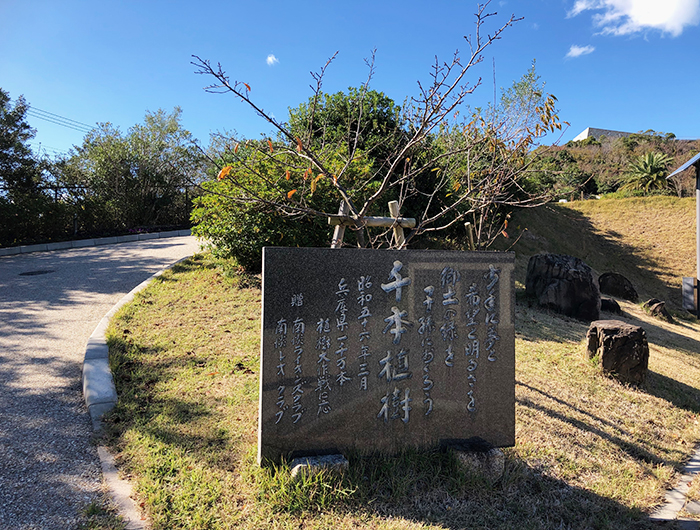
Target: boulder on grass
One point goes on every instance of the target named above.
(622, 349)
(564, 284)
(617, 285)
(489, 465)
(657, 308)
(610, 305)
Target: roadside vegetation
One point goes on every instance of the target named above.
(636, 165)
(589, 453)
(114, 183)
(101, 515)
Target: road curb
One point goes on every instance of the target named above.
(101, 397)
(675, 500)
(82, 243)
(120, 492)
(98, 384)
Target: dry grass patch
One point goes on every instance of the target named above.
(650, 240)
(656, 228)
(590, 452)
(620, 442)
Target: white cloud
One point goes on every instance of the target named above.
(578, 51)
(624, 17)
(272, 60)
(583, 5)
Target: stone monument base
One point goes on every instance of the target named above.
(488, 464)
(309, 466)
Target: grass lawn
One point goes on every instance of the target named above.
(589, 453)
(650, 240)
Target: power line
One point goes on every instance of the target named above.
(38, 146)
(63, 118)
(59, 120)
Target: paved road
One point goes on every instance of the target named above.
(50, 303)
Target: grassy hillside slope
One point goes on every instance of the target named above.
(590, 452)
(649, 240)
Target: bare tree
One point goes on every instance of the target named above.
(447, 170)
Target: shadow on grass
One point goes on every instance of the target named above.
(432, 488)
(535, 324)
(634, 451)
(190, 264)
(180, 423)
(669, 338)
(562, 230)
(681, 395)
(235, 275)
(423, 487)
(193, 263)
(543, 325)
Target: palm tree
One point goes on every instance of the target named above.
(647, 172)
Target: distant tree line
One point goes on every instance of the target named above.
(114, 183)
(633, 165)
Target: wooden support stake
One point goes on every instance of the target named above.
(405, 222)
(342, 220)
(339, 231)
(398, 229)
(470, 235)
(360, 235)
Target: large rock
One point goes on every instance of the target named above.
(564, 284)
(617, 285)
(657, 308)
(610, 305)
(488, 465)
(622, 348)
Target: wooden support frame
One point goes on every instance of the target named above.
(339, 231)
(398, 223)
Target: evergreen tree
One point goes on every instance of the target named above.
(19, 173)
(27, 212)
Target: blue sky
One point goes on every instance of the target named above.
(627, 65)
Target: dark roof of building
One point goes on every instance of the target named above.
(685, 166)
(596, 133)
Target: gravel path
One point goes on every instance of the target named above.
(50, 303)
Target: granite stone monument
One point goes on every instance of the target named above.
(379, 350)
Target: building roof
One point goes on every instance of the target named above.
(597, 133)
(685, 166)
